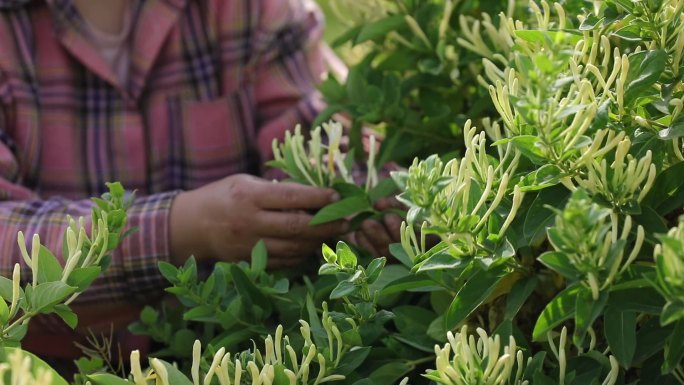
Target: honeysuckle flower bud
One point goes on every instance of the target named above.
(214, 364)
(196, 359)
(278, 344)
(16, 281)
(238, 372)
(253, 372)
(70, 265)
(35, 251)
(71, 242)
(415, 28)
(22, 248)
(160, 371)
(612, 377)
(562, 361)
(136, 370)
(305, 330)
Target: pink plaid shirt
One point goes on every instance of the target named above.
(211, 83)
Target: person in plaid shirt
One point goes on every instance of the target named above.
(180, 101)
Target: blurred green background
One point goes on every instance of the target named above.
(333, 26)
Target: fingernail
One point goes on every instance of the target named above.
(335, 197)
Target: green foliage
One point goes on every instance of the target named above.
(553, 243)
(412, 79)
(54, 287)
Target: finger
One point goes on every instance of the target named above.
(365, 244)
(283, 196)
(393, 225)
(388, 203)
(295, 225)
(289, 253)
(376, 233)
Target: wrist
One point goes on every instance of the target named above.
(184, 242)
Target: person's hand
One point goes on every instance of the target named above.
(225, 219)
(375, 236)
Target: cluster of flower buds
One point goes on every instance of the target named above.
(442, 195)
(466, 359)
(317, 163)
(669, 257)
(589, 238)
(561, 356)
(276, 363)
(19, 370)
(624, 181)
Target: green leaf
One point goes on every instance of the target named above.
(82, 277)
(380, 28)
(672, 312)
(642, 300)
(67, 315)
(398, 252)
(520, 292)
(328, 269)
(478, 288)
(675, 130)
(346, 256)
(37, 365)
(4, 312)
(328, 254)
(412, 282)
(374, 269)
(587, 310)
(49, 268)
(667, 193)
(352, 360)
(645, 68)
(250, 294)
(412, 319)
(620, 329)
(390, 372)
(344, 289)
(539, 216)
(6, 288)
(149, 315)
(674, 353)
(169, 271)
(561, 308)
(560, 263)
(384, 189)
(349, 35)
(107, 379)
(341, 209)
(176, 377)
(529, 146)
(46, 295)
(259, 257)
(443, 260)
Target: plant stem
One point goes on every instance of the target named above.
(20, 320)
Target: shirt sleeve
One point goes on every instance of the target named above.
(133, 273)
(290, 63)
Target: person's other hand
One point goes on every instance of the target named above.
(375, 236)
(225, 219)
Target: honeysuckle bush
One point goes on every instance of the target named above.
(52, 287)
(318, 159)
(553, 244)
(549, 252)
(410, 78)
